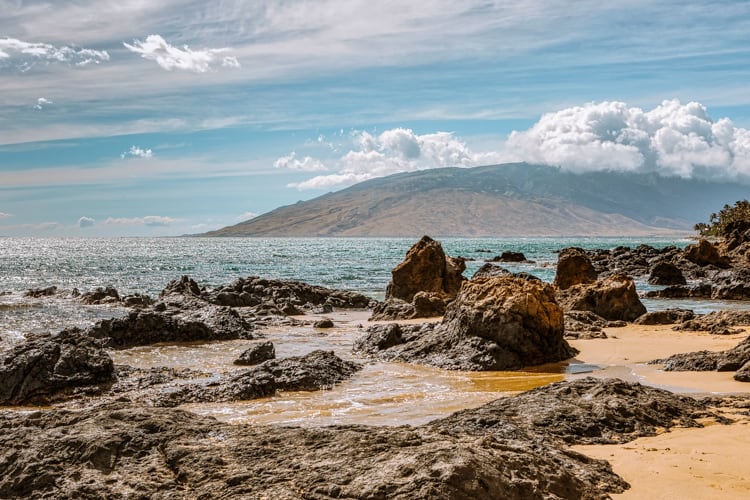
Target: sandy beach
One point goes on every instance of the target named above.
(684, 463)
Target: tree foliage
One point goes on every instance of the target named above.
(718, 222)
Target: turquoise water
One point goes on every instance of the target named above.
(146, 265)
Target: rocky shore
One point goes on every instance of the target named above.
(115, 430)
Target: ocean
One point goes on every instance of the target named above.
(382, 394)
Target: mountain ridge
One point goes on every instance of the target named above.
(516, 199)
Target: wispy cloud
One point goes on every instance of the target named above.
(84, 222)
(136, 152)
(41, 103)
(22, 55)
(149, 220)
(4, 215)
(155, 48)
(306, 164)
(246, 216)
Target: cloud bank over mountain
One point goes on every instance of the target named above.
(672, 140)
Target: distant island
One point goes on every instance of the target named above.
(515, 199)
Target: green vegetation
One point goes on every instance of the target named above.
(718, 223)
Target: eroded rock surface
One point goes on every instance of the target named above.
(612, 298)
(496, 323)
(40, 370)
(736, 359)
(717, 322)
(258, 353)
(574, 268)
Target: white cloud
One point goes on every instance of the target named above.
(86, 222)
(393, 151)
(673, 139)
(136, 152)
(306, 164)
(155, 48)
(4, 215)
(149, 220)
(41, 102)
(25, 55)
(246, 216)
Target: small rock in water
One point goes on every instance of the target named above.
(257, 354)
(323, 323)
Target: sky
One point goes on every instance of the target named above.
(139, 118)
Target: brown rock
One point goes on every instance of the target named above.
(704, 254)
(613, 298)
(573, 268)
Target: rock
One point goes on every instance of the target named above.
(666, 273)
(704, 253)
(508, 256)
(587, 325)
(312, 372)
(41, 292)
(731, 284)
(717, 322)
(183, 286)
(149, 327)
(107, 295)
(584, 411)
(137, 301)
(41, 370)
(613, 298)
(736, 359)
(489, 270)
(257, 354)
(323, 323)
(425, 269)
(497, 323)
(573, 268)
(665, 317)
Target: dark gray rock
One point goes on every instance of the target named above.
(736, 359)
(41, 292)
(323, 323)
(106, 295)
(666, 273)
(717, 322)
(43, 369)
(312, 372)
(257, 354)
(489, 270)
(587, 325)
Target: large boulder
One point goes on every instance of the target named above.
(666, 273)
(42, 369)
(613, 298)
(704, 253)
(500, 323)
(574, 267)
(427, 280)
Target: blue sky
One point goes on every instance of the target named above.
(175, 117)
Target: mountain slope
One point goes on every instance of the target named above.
(499, 200)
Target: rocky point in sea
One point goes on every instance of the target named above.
(495, 323)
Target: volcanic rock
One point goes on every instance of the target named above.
(704, 253)
(497, 323)
(257, 354)
(106, 295)
(666, 273)
(613, 298)
(573, 268)
(736, 359)
(717, 322)
(665, 317)
(42, 369)
(425, 269)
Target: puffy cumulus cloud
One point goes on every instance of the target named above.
(149, 220)
(306, 164)
(397, 150)
(157, 49)
(41, 103)
(136, 152)
(22, 55)
(673, 139)
(86, 222)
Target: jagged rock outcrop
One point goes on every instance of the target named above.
(509, 256)
(587, 325)
(665, 317)
(489, 270)
(258, 353)
(513, 448)
(428, 275)
(612, 298)
(704, 253)
(312, 372)
(736, 359)
(717, 322)
(42, 369)
(101, 295)
(500, 323)
(573, 268)
(41, 292)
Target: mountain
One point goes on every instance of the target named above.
(515, 199)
